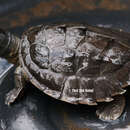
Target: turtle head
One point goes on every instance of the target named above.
(9, 46)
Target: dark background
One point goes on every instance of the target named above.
(37, 111)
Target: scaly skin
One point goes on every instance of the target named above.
(9, 46)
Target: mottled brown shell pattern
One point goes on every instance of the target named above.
(75, 64)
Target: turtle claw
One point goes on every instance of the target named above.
(12, 96)
(104, 116)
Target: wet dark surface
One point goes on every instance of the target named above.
(37, 111)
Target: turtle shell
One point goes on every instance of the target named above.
(76, 63)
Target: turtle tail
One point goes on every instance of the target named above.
(9, 46)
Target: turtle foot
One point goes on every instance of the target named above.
(112, 110)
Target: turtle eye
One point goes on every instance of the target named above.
(40, 54)
(3, 42)
(2, 37)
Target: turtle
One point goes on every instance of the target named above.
(72, 62)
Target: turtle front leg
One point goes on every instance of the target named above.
(112, 110)
(19, 86)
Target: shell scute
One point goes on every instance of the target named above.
(61, 60)
(40, 55)
(55, 37)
